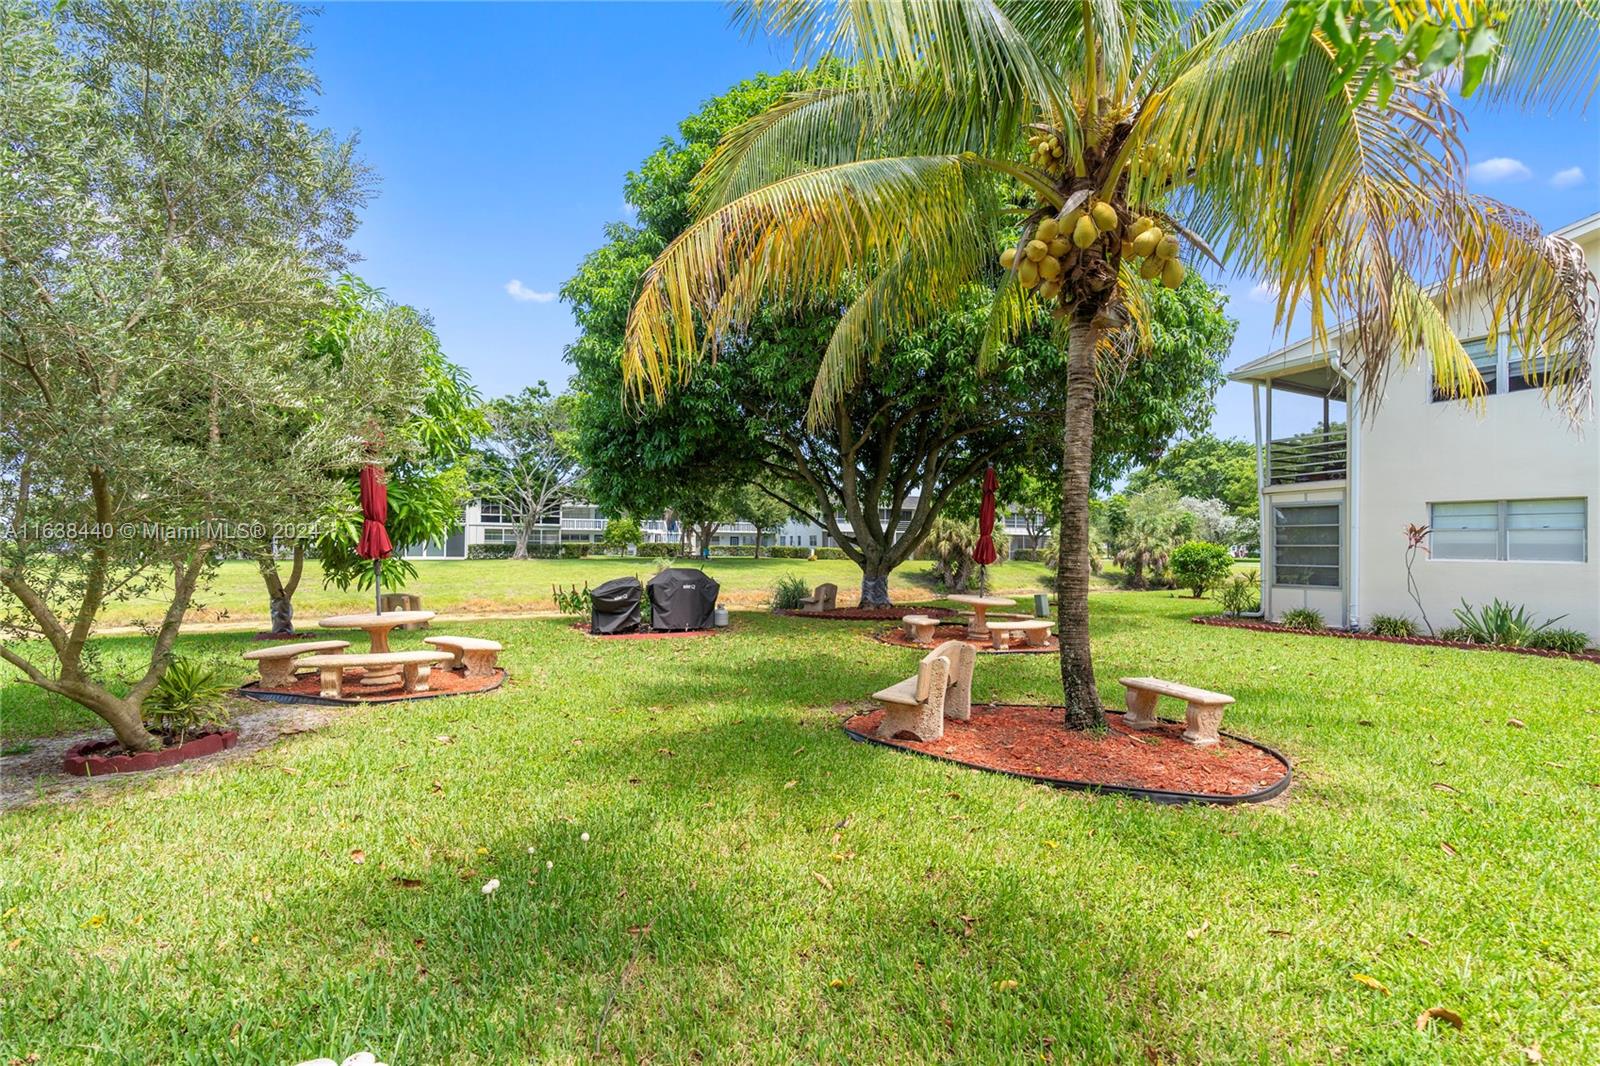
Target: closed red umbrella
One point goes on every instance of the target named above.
(983, 552)
(374, 543)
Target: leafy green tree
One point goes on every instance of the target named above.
(157, 268)
(622, 533)
(1206, 467)
(368, 361)
(1154, 526)
(761, 509)
(1119, 139)
(911, 438)
(527, 461)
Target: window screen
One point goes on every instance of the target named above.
(1306, 542)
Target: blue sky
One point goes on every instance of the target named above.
(501, 134)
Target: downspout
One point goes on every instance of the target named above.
(1261, 498)
(1352, 431)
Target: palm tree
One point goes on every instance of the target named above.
(1109, 139)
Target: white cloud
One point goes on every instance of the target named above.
(1500, 168)
(1567, 179)
(521, 293)
(1265, 292)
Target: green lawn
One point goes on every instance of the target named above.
(480, 586)
(757, 888)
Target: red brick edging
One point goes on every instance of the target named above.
(86, 760)
(1429, 642)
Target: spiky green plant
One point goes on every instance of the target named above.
(969, 125)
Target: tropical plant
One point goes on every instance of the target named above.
(789, 592)
(1240, 593)
(1571, 641)
(1455, 634)
(1305, 618)
(1111, 141)
(1393, 625)
(1416, 540)
(186, 699)
(1152, 525)
(1200, 565)
(572, 600)
(1500, 623)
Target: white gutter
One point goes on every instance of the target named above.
(1352, 418)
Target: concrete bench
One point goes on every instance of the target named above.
(919, 628)
(824, 597)
(277, 664)
(1204, 708)
(414, 666)
(942, 686)
(476, 654)
(1034, 630)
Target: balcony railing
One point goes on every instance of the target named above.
(1316, 456)
(593, 524)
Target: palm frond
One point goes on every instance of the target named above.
(788, 241)
(1549, 55)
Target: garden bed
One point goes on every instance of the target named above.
(1429, 642)
(1029, 741)
(897, 637)
(871, 614)
(97, 758)
(307, 688)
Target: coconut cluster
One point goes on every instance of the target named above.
(1047, 151)
(1057, 245)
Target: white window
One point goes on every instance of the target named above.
(490, 511)
(1486, 360)
(1306, 544)
(1526, 371)
(1552, 531)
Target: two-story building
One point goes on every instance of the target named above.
(484, 522)
(1510, 489)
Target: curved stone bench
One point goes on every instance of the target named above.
(1034, 630)
(474, 653)
(1204, 710)
(413, 665)
(919, 627)
(277, 663)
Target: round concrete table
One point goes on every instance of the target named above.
(979, 629)
(377, 627)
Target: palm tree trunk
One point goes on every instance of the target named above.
(1080, 697)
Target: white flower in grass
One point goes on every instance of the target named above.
(491, 886)
(531, 849)
(584, 837)
(549, 864)
(362, 1058)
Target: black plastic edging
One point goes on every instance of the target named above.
(1153, 795)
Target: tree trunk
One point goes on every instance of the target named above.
(521, 550)
(1080, 697)
(123, 716)
(280, 593)
(758, 542)
(875, 585)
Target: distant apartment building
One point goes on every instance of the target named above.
(485, 522)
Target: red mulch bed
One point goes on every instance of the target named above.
(871, 614)
(1031, 741)
(644, 634)
(440, 683)
(897, 637)
(1428, 642)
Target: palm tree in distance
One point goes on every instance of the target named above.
(1072, 154)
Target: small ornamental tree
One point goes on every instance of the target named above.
(1200, 566)
(622, 534)
(158, 265)
(762, 510)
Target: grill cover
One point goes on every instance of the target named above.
(682, 599)
(615, 606)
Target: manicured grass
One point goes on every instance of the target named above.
(756, 887)
(468, 586)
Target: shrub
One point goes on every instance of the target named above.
(187, 698)
(789, 591)
(1393, 625)
(1240, 593)
(1500, 623)
(1571, 641)
(1302, 618)
(1455, 634)
(1200, 565)
(572, 600)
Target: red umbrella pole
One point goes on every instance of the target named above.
(984, 553)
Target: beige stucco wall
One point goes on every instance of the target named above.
(1415, 452)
